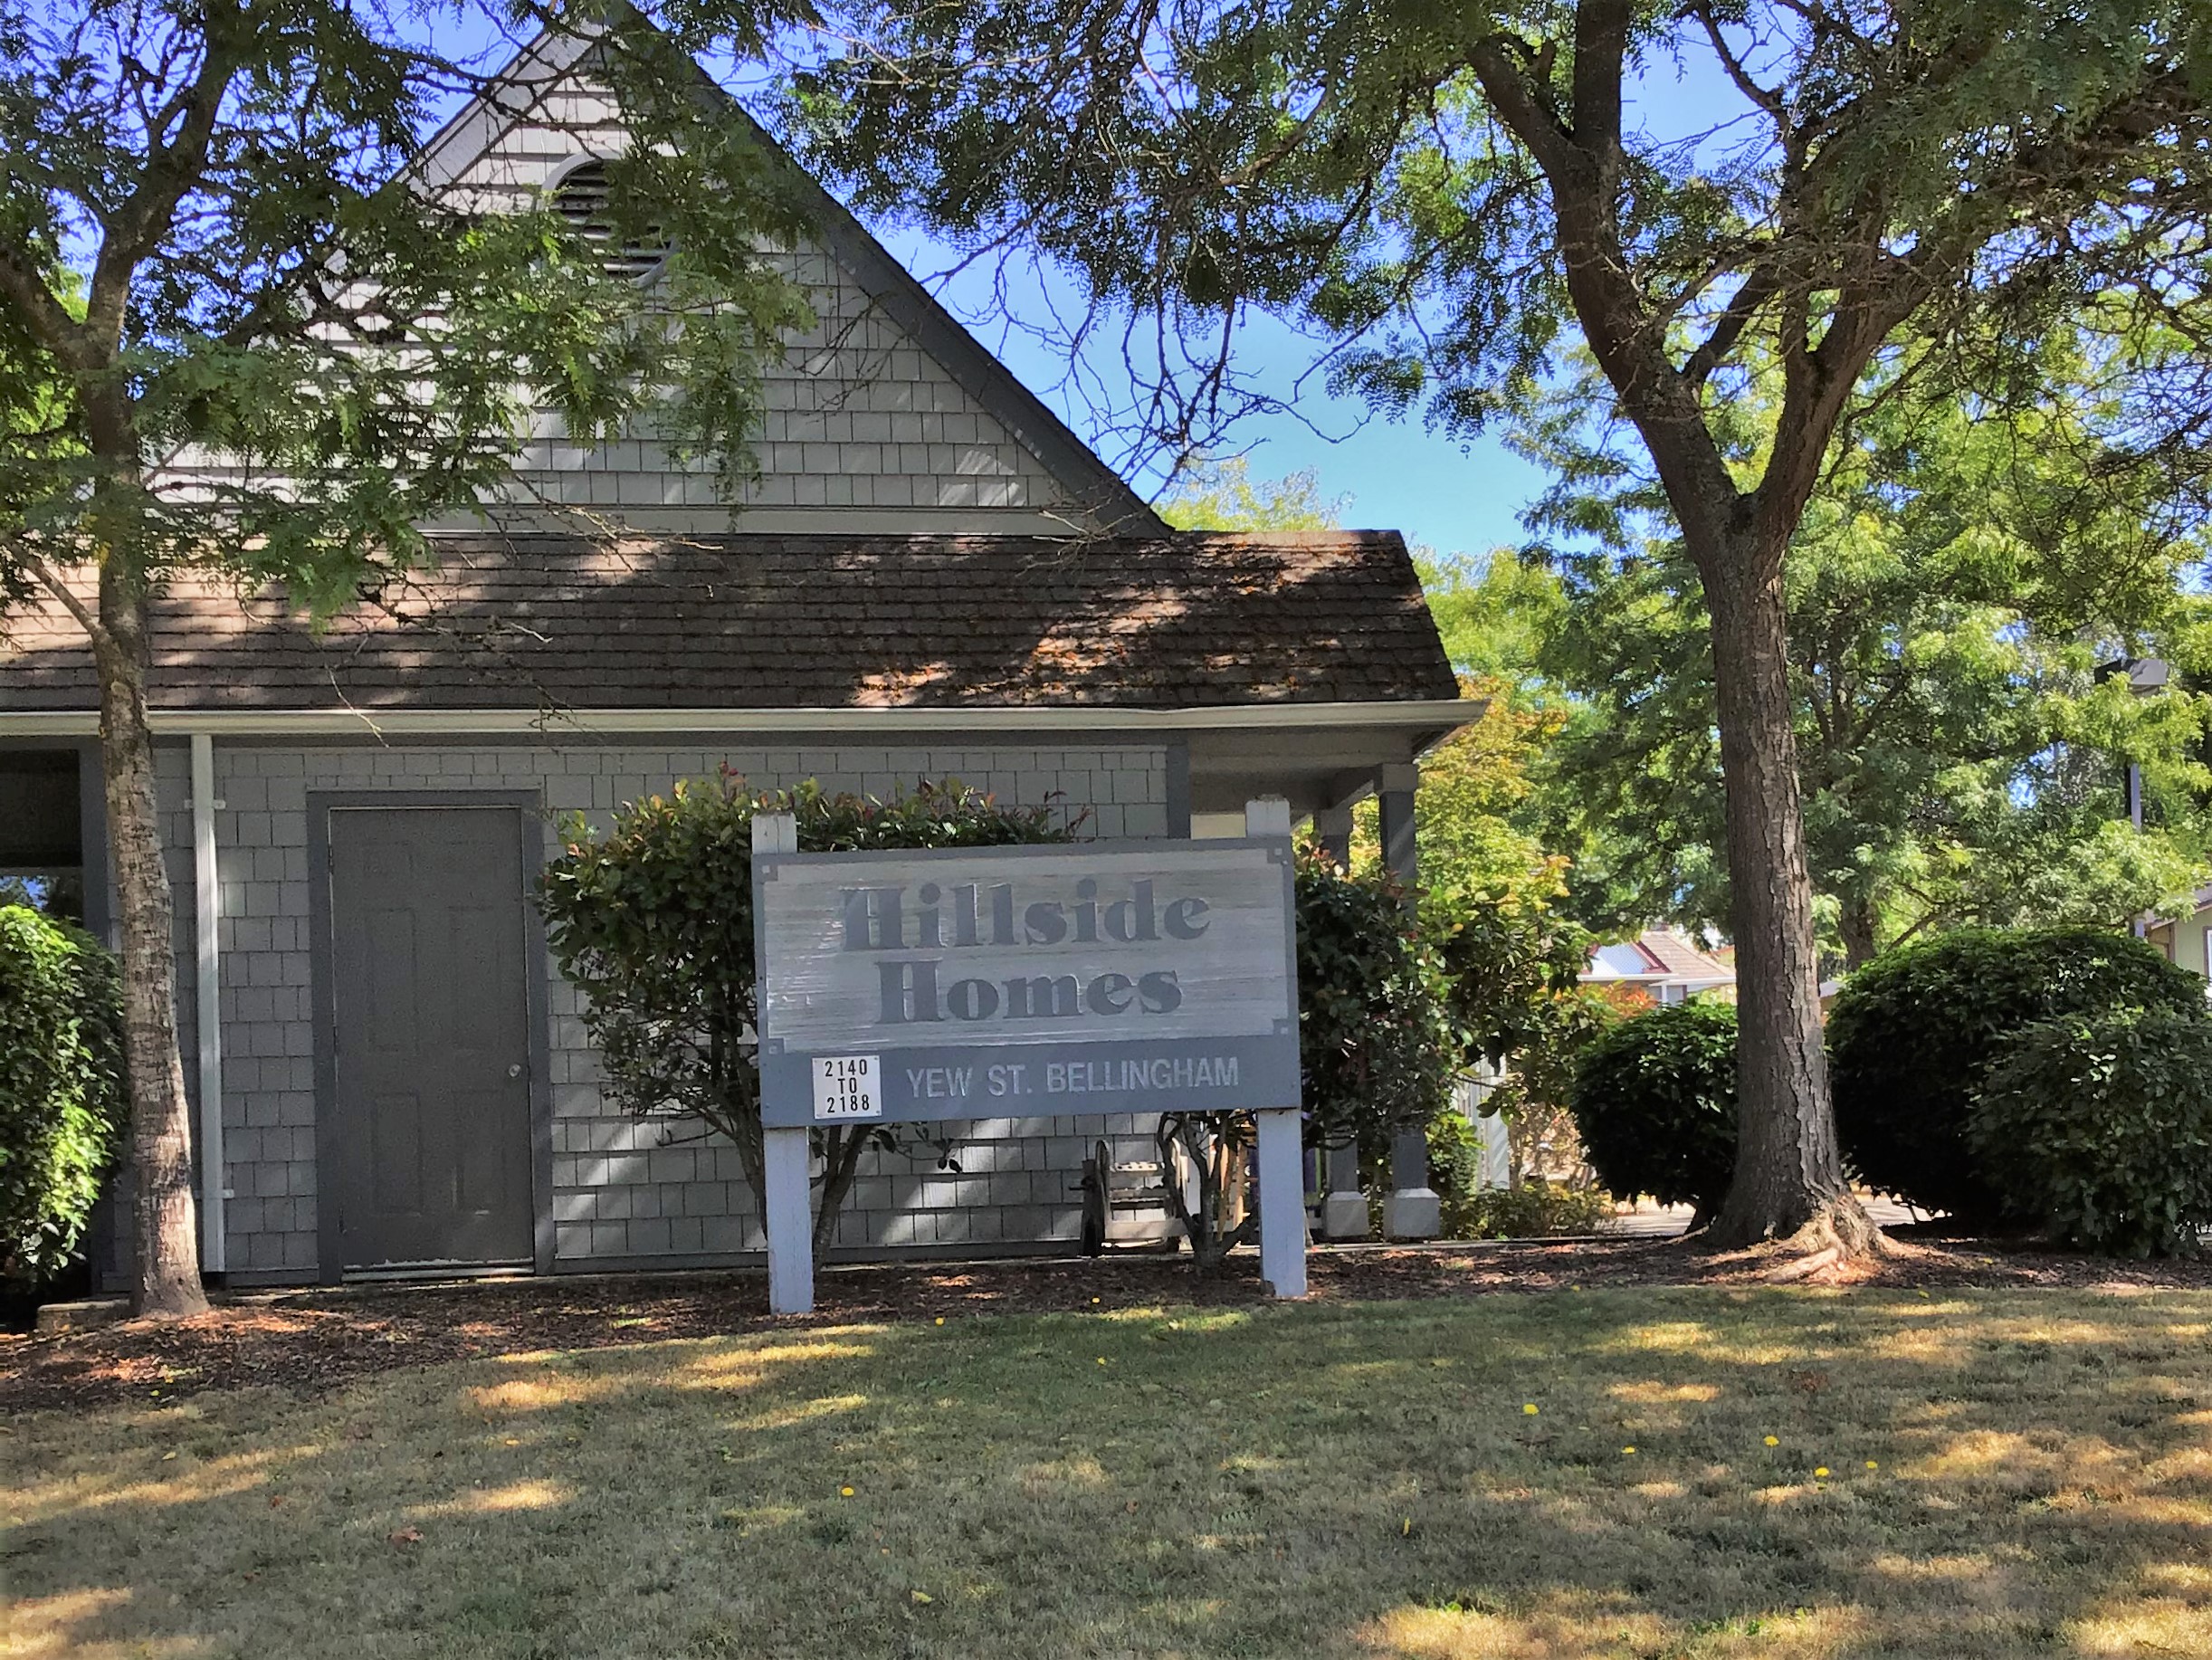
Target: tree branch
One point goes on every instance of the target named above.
(171, 170)
(53, 327)
(1771, 102)
(1530, 118)
(1601, 55)
(1752, 294)
(52, 581)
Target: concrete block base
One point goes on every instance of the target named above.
(1344, 1215)
(85, 1316)
(1413, 1213)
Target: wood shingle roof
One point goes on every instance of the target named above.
(793, 620)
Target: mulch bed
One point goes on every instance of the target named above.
(310, 1341)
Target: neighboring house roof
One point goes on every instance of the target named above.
(764, 621)
(1658, 957)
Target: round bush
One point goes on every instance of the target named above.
(2100, 1129)
(62, 1100)
(1655, 1099)
(1913, 1036)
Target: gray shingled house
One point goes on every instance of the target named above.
(933, 579)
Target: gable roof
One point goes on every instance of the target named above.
(1668, 958)
(535, 73)
(780, 622)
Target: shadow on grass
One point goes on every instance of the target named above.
(1816, 1475)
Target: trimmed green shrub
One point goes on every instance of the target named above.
(63, 1100)
(2099, 1129)
(1654, 1100)
(1378, 1051)
(1376, 1043)
(1913, 1034)
(653, 922)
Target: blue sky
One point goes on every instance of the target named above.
(1455, 497)
(1392, 474)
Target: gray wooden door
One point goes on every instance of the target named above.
(430, 1036)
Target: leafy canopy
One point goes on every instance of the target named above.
(243, 326)
(1954, 590)
(1441, 192)
(1224, 496)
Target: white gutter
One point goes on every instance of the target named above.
(880, 721)
(207, 895)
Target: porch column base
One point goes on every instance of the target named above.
(1344, 1207)
(1413, 1210)
(1413, 1213)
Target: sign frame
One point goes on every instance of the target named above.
(1279, 1163)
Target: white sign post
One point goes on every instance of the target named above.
(785, 1212)
(1083, 978)
(1281, 1166)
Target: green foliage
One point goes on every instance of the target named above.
(1536, 1095)
(1377, 1047)
(1952, 589)
(1529, 1209)
(2098, 1127)
(652, 922)
(1507, 960)
(1224, 496)
(1913, 1036)
(62, 1096)
(1493, 616)
(1654, 1098)
(1536, 1209)
(207, 316)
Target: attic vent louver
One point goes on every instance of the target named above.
(581, 198)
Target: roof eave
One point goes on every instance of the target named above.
(1433, 715)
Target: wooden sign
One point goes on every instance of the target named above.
(1128, 977)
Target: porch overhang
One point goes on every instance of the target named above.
(1314, 754)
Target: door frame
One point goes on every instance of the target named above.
(529, 808)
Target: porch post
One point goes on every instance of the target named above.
(1344, 1207)
(1333, 834)
(1413, 1210)
(1281, 1168)
(784, 1207)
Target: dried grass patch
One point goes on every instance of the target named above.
(1816, 1475)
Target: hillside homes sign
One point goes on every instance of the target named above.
(1137, 977)
(1012, 982)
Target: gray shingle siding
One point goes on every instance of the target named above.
(622, 1190)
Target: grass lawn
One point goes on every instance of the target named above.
(2005, 1473)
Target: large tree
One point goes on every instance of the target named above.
(240, 337)
(1441, 191)
(1957, 591)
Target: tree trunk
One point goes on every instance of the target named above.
(1789, 1173)
(164, 1276)
(841, 1148)
(1857, 923)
